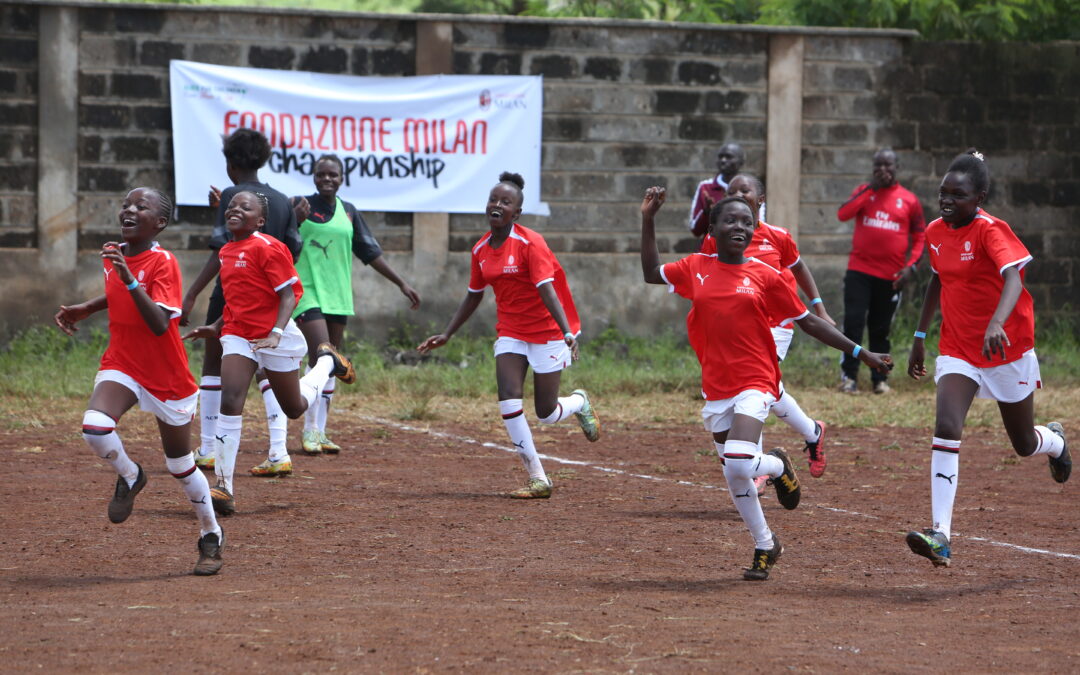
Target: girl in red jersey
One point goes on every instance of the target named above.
(987, 341)
(775, 247)
(537, 326)
(142, 295)
(735, 301)
(261, 289)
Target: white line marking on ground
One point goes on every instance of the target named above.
(606, 469)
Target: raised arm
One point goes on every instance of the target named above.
(851, 207)
(650, 256)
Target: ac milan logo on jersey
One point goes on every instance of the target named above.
(240, 262)
(510, 267)
(967, 246)
(746, 281)
(899, 203)
(142, 273)
(967, 254)
(746, 288)
(766, 246)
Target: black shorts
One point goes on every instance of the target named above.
(314, 314)
(217, 304)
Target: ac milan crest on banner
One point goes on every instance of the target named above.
(432, 143)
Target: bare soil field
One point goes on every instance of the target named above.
(401, 555)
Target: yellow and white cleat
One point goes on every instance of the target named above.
(312, 442)
(268, 468)
(327, 445)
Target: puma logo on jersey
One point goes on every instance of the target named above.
(702, 278)
(948, 478)
(322, 247)
(936, 249)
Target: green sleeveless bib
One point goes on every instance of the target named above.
(325, 264)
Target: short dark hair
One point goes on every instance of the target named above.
(332, 158)
(971, 162)
(714, 213)
(758, 185)
(165, 206)
(246, 149)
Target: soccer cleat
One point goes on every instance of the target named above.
(815, 452)
(590, 423)
(1060, 466)
(882, 387)
(327, 445)
(210, 546)
(787, 483)
(124, 497)
(271, 468)
(311, 442)
(536, 488)
(848, 385)
(224, 504)
(764, 559)
(930, 544)
(760, 482)
(204, 461)
(343, 367)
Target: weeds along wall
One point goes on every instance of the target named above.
(84, 115)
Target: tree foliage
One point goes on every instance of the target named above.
(983, 20)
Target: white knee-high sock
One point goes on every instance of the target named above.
(226, 447)
(209, 408)
(276, 422)
(311, 422)
(312, 382)
(741, 465)
(322, 406)
(99, 430)
(565, 407)
(788, 410)
(944, 474)
(517, 426)
(197, 490)
(1049, 442)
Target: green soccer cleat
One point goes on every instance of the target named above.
(327, 445)
(932, 545)
(764, 559)
(1060, 466)
(270, 468)
(311, 442)
(590, 423)
(536, 488)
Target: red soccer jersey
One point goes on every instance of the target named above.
(515, 270)
(253, 270)
(729, 321)
(886, 222)
(969, 263)
(157, 362)
(773, 246)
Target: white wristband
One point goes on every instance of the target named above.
(568, 335)
(277, 330)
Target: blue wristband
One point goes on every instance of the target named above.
(855, 352)
(920, 334)
(815, 301)
(133, 285)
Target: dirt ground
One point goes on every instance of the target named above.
(400, 555)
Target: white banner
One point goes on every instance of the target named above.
(431, 143)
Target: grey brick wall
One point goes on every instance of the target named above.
(626, 106)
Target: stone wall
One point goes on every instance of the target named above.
(627, 105)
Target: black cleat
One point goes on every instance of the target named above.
(764, 559)
(1060, 466)
(124, 498)
(343, 367)
(787, 483)
(210, 546)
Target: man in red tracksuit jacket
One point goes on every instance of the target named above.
(885, 248)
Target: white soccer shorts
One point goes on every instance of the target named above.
(173, 413)
(1007, 383)
(544, 357)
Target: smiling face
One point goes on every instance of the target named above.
(140, 216)
(503, 205)
(733, 228)
(742, 186)
(327, 179)
(244, 215)
(958, 200)
(885, 167)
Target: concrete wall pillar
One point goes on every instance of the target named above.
(783, 149)
(58, 118)
(431, 231)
